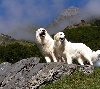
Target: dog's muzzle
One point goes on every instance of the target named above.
(62, 39)
(42, 34)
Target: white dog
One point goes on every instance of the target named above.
(45, 44)
(70, 51)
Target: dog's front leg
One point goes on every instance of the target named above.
(53, 56)
(63, 60)
(69, 59)
(80, 61)
(47, 59)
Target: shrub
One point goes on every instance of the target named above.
(15, 51)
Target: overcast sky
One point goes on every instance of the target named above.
(38, 12)
(14, 13)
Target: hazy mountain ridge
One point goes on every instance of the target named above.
(5, 38)
(69, 17)
(69, 12)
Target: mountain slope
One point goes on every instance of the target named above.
(68, 17)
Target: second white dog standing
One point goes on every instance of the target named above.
(70, 51)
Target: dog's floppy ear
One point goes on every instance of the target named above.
(56, 37)
(37, 35)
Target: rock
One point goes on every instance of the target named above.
(4, 70)
(86, 69)
(18, 74)
(30, 74)
(50, 72)
(97, 62)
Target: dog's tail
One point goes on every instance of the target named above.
(94, 56)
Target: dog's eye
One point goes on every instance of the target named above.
(60, 34)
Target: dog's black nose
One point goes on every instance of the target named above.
(43, 30)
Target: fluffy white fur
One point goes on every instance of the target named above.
(70, 51)
(98, 52)
(95, 55)
(45, 44)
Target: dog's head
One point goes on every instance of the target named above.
(60, 36)
(41, 32)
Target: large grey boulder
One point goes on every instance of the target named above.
(30, 74)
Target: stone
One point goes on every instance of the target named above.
(30, 74)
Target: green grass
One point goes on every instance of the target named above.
(78, 80)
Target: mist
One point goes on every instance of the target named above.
(90, 9)
(16, 16)
(20, 19)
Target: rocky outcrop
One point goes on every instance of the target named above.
(30, 74)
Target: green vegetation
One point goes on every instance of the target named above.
(95, 22)
(16, 51)
(13, 51)
(78, 80)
